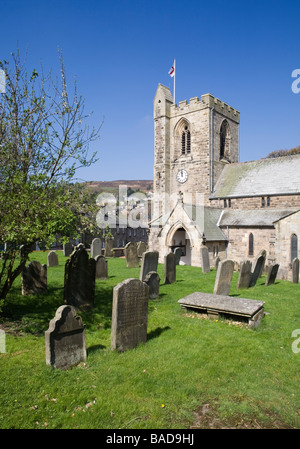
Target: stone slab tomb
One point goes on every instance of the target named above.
(34, 279)
(79, 282)
(215, 305)
(224, 277)
(65, 339)
(149, 263)
(129, 314)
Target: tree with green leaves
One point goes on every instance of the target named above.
(44, 140)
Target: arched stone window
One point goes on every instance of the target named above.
(186, 141)
(225, 138)
(294, 246)
(251, 245)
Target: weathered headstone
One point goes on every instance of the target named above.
(149, 263)
(244, 274)
(109, 244)
(204, 256)
(260, 262)
(101, 268)
(34, 279)
(65, 339)
(153, 281)
(141, 248)
(272, 273)
(79, 284)
(170, 268)
(263, 253)
(178, 253)
(129, 314)
(96, 247)
(224, 277)
(52, 259)
(295, 271)
(131, 255)
(216, 262)
(67, 248)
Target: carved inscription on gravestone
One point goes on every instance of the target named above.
(129, 314)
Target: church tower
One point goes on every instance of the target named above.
(192, 144)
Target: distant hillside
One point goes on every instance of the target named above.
(110, 186)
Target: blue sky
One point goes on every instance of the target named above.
(242, 52)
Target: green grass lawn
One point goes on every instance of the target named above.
(192, 372)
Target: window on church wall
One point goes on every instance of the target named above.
(225, 140)
(251, 245)
(294, 247)
(268, 201)
(263, 202)
(186, 141)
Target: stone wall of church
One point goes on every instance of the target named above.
(284, 230)
(275, 202)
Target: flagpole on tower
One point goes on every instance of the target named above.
(172, 75)
(174, 79)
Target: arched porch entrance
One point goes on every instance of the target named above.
(180, 238)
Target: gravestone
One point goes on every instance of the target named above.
(244, 274)
(79, 283)
(259, 265)
(67, 248)
(263, 253)
(131, 255)
(65, 339)
(178, 253)
(153, 281)
(141, 248)
(109, 244)
(52, 259)
(170, 268)
(34, 279)
(295, 270)
(96, 247)
(272, 273)
(204, 255)
(129, 314)
(216, 262)
(224, 277)
(149, 263)
(101, 268)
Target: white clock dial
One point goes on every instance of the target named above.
(182, 176)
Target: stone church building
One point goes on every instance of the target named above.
(203, 195)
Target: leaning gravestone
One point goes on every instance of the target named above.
(295, 270)
(141, 248)
(67, 248)
(79, 285)
(129, 314)
(178, 254)
(244, 274)
(260, 262)
(149, 263)
(52, 259)
(96, 247)
(153, 281)
(101, 268)
(224, 277)
(34, 279)
(216, 262)
(131, 255)
(272, 273)
(204, 255)
(109, 243)
(65, 339)
(170, 268)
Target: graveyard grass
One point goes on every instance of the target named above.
(192, 372)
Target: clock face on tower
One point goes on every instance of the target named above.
(182, 176)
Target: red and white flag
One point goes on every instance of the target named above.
(172, 70)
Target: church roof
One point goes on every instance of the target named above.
(264, 177)
(255, 217)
